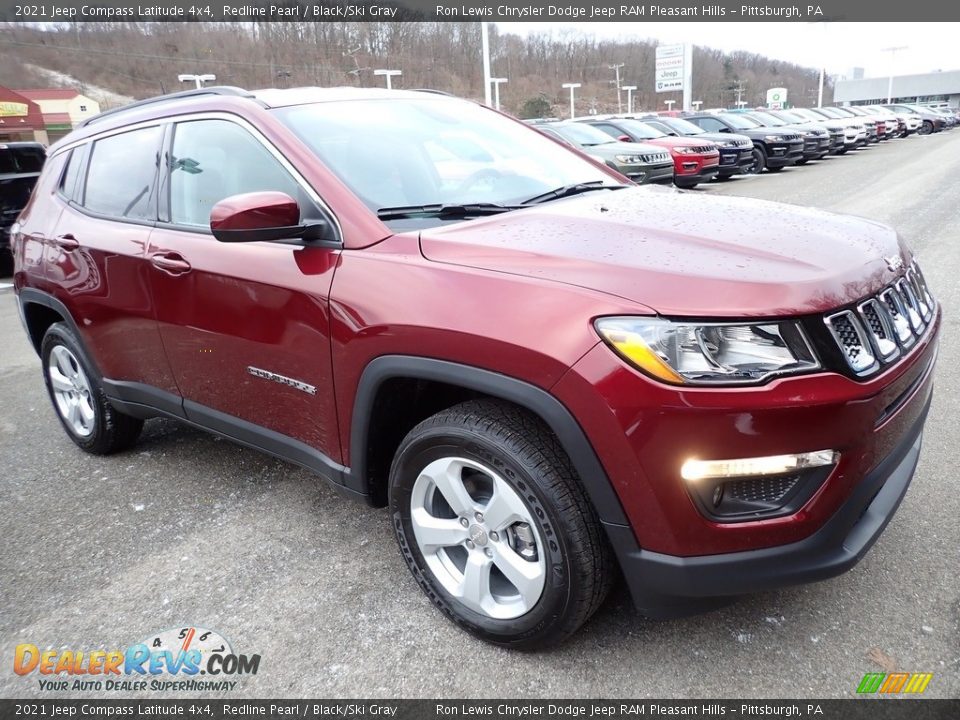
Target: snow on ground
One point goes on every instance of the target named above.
(106, 98)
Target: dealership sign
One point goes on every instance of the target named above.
(776, 98)
(670, 68)
(13, 109)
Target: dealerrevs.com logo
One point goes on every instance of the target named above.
(172, 660)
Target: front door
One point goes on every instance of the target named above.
(245, 326)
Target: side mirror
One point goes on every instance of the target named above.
(262, 216)
(624, 138)
(725, 129)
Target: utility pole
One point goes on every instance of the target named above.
(893, 57)
(388, 74)
(820, 91)
(485, 43)
(629, 89)
(198, 79)
(616, 68)
(496, 91)
(571, 87)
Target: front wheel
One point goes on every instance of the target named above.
(495, 526)
(926, 128)
(759, 162)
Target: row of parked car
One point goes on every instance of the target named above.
(691, 148)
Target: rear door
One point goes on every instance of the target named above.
(96, 260)
(245, 325)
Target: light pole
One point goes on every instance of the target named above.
(629, 89)
(616, 68)
(388, 74)
(485, 46)
(571, 87)
(198, 79)
(893, 57)
(496, 91)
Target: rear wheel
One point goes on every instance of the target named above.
(82, 408)
(926, 128)
(495, 526)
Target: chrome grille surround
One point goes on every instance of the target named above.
(882, 327)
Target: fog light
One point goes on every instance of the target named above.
(745, 489)
(694, 470)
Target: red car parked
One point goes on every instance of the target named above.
(544, 371)
(694, 160)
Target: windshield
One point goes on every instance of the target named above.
(829, 112)
(641, 130)
(789, 117)
(766, 119)
(741, 122)
(684, 127)
(434, 150)
(580, 134)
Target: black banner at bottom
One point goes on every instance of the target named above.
(853, 709)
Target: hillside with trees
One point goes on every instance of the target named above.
(144, 59)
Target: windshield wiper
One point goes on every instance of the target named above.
(444, 210)
(568, 190)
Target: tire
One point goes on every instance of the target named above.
(802, 161)
(82, 408)
(494, 459)
(926, 128)
(775, 169)
(759, 162)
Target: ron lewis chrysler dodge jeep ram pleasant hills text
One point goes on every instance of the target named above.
(548, 375)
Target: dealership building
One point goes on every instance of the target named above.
(928, 87)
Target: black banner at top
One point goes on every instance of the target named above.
(45, 11)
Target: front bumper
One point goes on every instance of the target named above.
(735, 160)
(667, 585)
(784, 154)
(644, 174)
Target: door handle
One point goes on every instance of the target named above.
(171, 262)
(66, 242)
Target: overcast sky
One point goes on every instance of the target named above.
(839, 46)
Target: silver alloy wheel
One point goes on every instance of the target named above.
(71, 391)
(471, 527)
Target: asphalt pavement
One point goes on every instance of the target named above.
(188, 530)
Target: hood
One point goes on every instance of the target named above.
(671, 141)
(609, 150)
(721, 138)
(682, 254)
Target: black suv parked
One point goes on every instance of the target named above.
(20, 166)
(816, 141)
(772, 149)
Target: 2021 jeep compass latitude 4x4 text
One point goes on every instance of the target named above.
(548, 375)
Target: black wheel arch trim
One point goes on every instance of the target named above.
(536, 400)
(32, 296)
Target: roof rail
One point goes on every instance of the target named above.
(199, 92)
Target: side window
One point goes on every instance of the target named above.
(68, 183)
(121, 175)
(214, 159)
(8, 164)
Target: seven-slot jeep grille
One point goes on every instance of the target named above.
(880, 328)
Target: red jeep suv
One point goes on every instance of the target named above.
(546, 373)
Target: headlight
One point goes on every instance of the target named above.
(682, 150)
(774, 138)
(694, 353)
(726, 143)
(628, 159)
